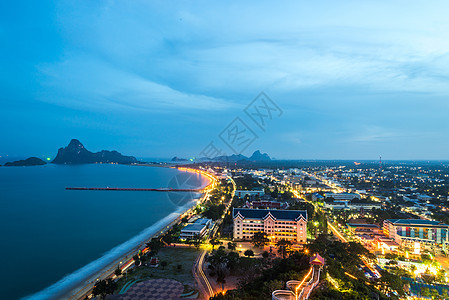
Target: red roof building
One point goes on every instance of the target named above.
(317, 260)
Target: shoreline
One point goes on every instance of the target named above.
(77, 284)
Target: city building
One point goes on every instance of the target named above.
(266, 204)
(387, 245)
(278, 224)
(317, 197)
(370, 229)
(255, 192)
(346, 204)
(198, 228)
(342, 196)
(416, 233)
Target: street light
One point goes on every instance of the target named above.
(296, 292)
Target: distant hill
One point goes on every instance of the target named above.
(32, 161)
(179, 159)
(257, 156)
(75, 153)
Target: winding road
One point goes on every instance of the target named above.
(202, 280)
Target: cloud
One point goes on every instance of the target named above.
(352, 76)
(372, 134)
(86, 82)
(215, 49)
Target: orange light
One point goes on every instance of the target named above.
(305, 277)
(352, 276)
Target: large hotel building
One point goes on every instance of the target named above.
(278, 224)
(410, 232)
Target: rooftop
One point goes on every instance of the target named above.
(194, 227)
(415, 222)
(203, 221)
(362, 225)
(278, 214)
(317, 260)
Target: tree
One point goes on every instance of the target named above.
(136, 260)
(214, 211)
(233, 259)
(425, 292)
(260, 239)
(391, 256)
(218, 260)
(167, 238)
(392, 281)
(118, 271)
(155, 245)
(249, 253)
(164, 263)
(215, 242)
(232, 246)
(441, 275)
(393, 262)
(434, 294)
(273, 285)
(104, 287)
(196, 241)
(284, 247)
(221, 279)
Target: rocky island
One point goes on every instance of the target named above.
(32, 161)
(76, 153)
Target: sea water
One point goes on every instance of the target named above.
(53, 238)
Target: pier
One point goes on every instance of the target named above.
(131, 189)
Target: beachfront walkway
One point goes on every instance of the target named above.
(154, 289)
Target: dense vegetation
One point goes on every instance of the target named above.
(260, 277)
(341, 259)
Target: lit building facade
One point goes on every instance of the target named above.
(277, 224)
(413, 233)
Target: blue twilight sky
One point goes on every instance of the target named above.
(354, 79)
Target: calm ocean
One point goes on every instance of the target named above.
(49, 233)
